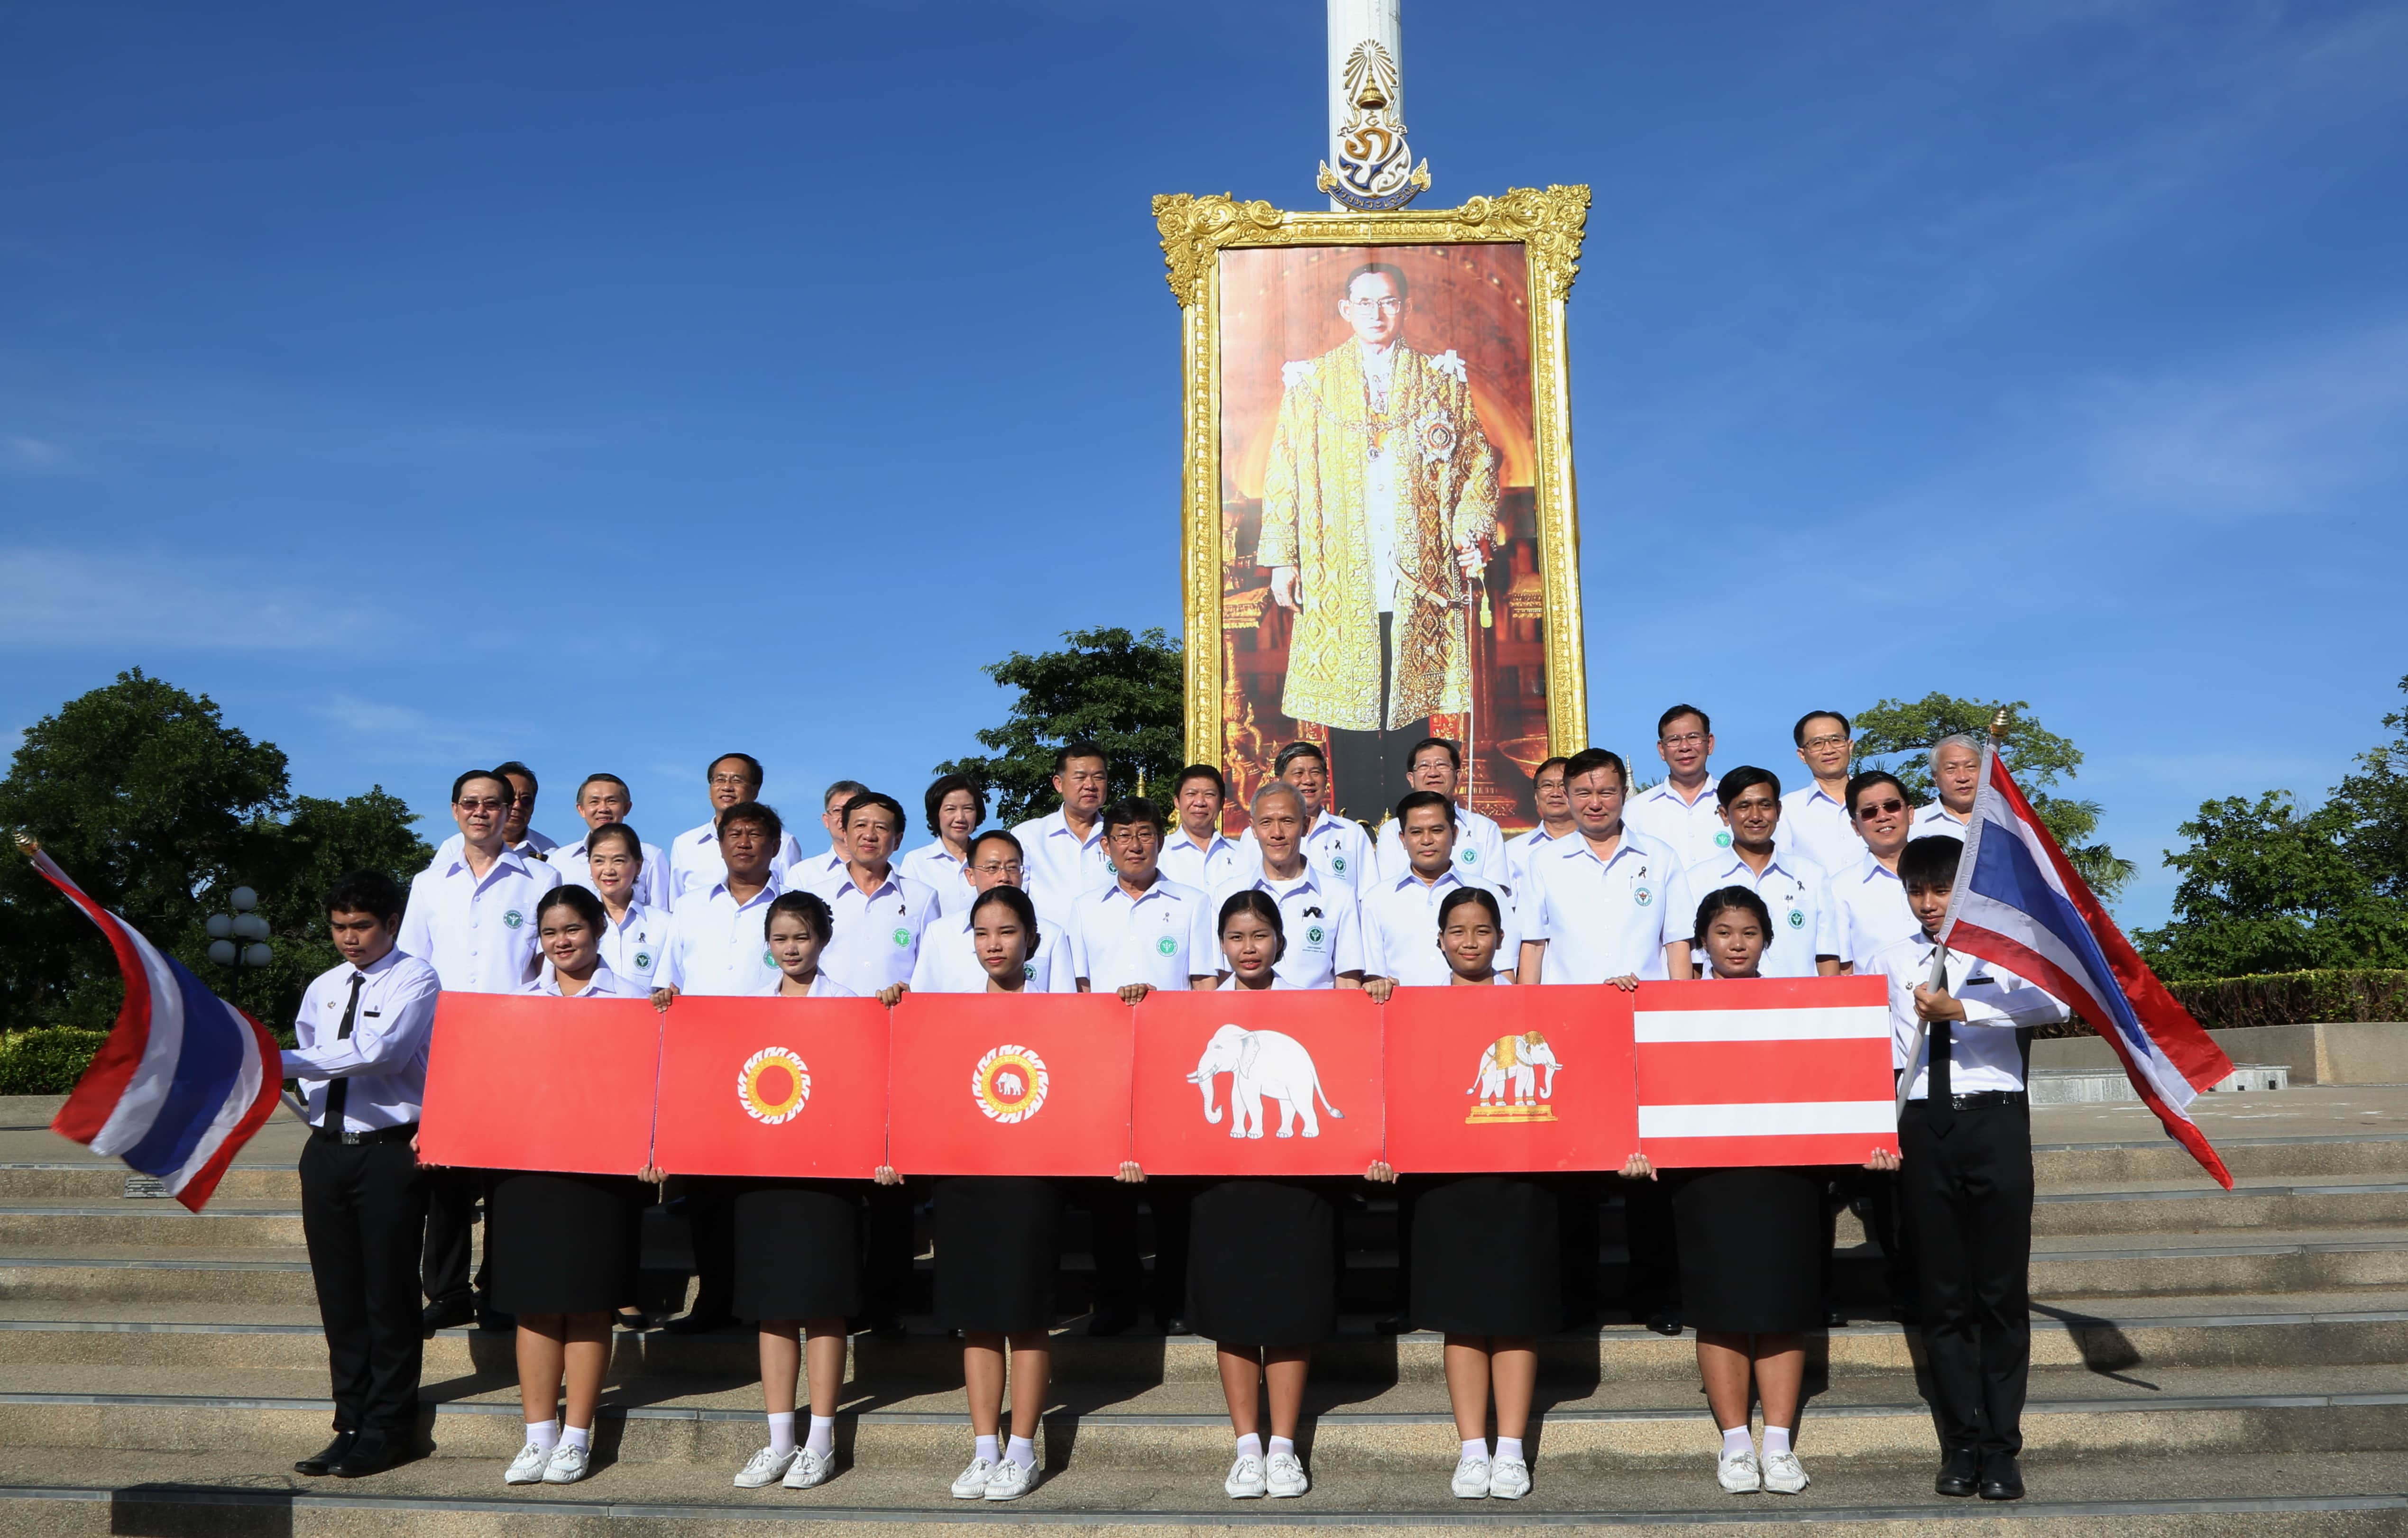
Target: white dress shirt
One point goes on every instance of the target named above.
(1935, 820)
(1805, 919)
(651, 878)
(535, 846)
(1479, 850)
(1601, 918)
(718, 946)
(822, 986)
(1337, 848)
(877, 933)
(1163, 937)
(1278, 985)
(604, 984)
(1401, 926)
(1323, 928)
(695, 862)
(1057, 868)
(1871, 900)
(948, 962)
(1986, 1053)
(1689, 831)
(1205, 867)
(478, 932)
(1521, 849)
(385, 1055)
(936, 867)
(1818, 827)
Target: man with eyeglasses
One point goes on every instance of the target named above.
(1554, 821)
(1873, 905)
(694, 860)
(1436, 765)
(516, 835)
(1956, 775)
(1379, 502)
(948, 960)
(1815, 819)
(1681, 813)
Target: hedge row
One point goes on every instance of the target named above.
(2296, 998)
(47, 1060)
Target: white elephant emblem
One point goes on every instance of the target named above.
(1509, 1069)
(1010, 1085)
(1260, 1064)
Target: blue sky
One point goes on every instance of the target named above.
(611, 385)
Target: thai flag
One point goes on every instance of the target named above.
(1763, 1071)
(184, 1078)
(2019, 904)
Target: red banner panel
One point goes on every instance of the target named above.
(1501, 1079)
(1269, 1083)
(1768, 1071)
(526, 1082)
(994, 1084)
(773, 1087)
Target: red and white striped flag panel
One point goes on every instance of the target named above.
(1771, 1070)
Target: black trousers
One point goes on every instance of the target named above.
(711, 1216)
(1120, 1282)
(451, 1198)
(363, 1208)
(887, 1256)
(1968, 1203)
(1653, 1282)
(1367, 769)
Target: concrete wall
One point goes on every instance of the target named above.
(2333, 1052)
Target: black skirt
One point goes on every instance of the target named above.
(798, 1249)
(564, 1244)
(1751, 1243)
(1262, 1264)
(998, 1244)
(1486, 1258)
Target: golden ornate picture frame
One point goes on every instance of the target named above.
(1548, 225)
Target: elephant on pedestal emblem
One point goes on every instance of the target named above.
(1509, 1081)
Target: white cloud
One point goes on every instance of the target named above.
(21, 453)
(75, 600)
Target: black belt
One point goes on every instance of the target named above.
(1984, 1097)
(374, 1134)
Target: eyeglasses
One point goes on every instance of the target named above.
(1386, 307)
(482, 806)
(1839, 739)
(1682, 740)
(1880, 808)
(998, 867)
(731, 779)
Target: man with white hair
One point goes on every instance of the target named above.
(1957, 773)
(1323, 933)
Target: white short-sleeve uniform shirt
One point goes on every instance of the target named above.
(1601, 918)
(636, 946)
(936, 868)
(478, 932)
(877, 933)
(822, 986)
(1873, 914)
(1337, 848)
(1935, 820)
(652, 881)
(1805, 919)
(1206, 867)
(1323, 929)
(1400, 927)
(1688, 832)
(1479, 849)
(1520, 850)
(1818, 827)
(694, 863)
(719, 945)
(1163, 937)
(948, 960)
(1057, 868)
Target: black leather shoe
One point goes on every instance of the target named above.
(1665, 1321)
(446, 1314)
(371, 1453)
(1394, 1324)
(698, 1324)
(1110, 1321)
(886, 1327)
(322, 1463)
(1958, 1472)
(1175, 1324)
(2002, 1479)
(493, 1320)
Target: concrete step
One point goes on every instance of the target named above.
(2262, 1261)
(225, 1224)
(2333, 1495)
(93, 1181)
(2331, 1202)
(2088, 1165)
(277, 1274)
(1859, 1415)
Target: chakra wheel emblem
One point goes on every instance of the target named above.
(1010, 1084)
(773, 1085)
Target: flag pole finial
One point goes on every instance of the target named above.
(27, 844)
(1999, 723)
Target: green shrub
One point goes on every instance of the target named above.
(2296, 998)
(47, 1060)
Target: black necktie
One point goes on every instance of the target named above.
(1938, 1093)
(338, 1093)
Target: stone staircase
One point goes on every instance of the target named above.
(2204, 1362)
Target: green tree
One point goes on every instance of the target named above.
(1123, 690)
(2374, 804)
(157, 809)
(2266, 888)
(1897, 736)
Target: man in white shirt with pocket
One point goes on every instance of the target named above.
(1598, 911)
(1321, 925)
(695, 862)
(1435, 766)
(602, 800)
(1197, 853)
(1805, 938)
(948, 960)
(1062, 852)
(1680, 813)
(1814, 819)
(1399, 913)
(879, 913)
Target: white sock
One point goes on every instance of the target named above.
(1022, 1451)
(577, 1436)
(1283, 1445)
(823, 1439)
(1735, 1442)
(782, 1431)
(1510, 1447)
(1250, 1444)
(1776, 1440)
(989, 1449)
(544, 1433)
(1475, 1450)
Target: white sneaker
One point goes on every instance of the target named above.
(1737, 1474)
(1783, 1474)
(527, 1468)
(1010, 1481)
(972, 1486)
(767, 1465)
(811, 1470)
(1471, 1476)
(1284, 1475)
(567, 1466)
(1510, 1480)
(1245, 1480)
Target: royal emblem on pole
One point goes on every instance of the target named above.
(1375, 170)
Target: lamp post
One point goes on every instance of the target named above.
(239, 939)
